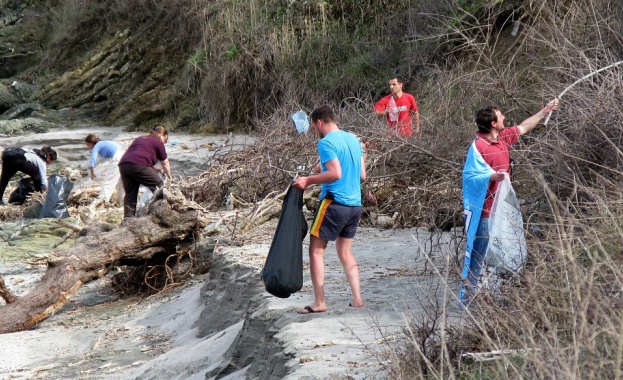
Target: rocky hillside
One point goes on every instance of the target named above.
(120, 76)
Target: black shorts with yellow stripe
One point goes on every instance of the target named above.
(333, 219)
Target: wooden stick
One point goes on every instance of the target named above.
(580, 80)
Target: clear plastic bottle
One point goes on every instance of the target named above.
(392, 110)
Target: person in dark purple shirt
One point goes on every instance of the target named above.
(137, 166)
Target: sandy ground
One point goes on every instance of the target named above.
(223, 325)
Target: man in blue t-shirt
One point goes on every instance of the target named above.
(340, 172)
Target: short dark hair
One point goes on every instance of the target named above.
(485, 116)
(398, 78)
(324, 113)
(49, 153)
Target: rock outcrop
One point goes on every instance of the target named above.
(19, 126)
(123, 78)
(8, 98)
(119, 80)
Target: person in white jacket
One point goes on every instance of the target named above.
(103, 167)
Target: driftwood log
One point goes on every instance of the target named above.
(169, 223)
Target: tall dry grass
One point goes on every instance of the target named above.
(562, 318)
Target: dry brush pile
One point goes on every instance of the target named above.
(410, 183)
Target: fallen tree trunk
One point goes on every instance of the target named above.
(169, 223)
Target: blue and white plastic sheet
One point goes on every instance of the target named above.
(506, 250)
(476, 174)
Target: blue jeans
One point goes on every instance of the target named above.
(478, 254)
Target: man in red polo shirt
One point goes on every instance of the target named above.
(398, 107)
(493, 141)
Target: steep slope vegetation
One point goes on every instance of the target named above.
(212, 65)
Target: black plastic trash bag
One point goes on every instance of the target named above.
(55, 205)
(283, 271)
(25, 187)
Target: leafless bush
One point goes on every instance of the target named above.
(562, 319)
(409, 181)
(248, 175)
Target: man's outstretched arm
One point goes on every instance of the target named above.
(531, 122)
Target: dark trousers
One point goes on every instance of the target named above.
(132, 177)
(14, 164)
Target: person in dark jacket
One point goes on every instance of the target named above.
(137, 166)
(32, 162)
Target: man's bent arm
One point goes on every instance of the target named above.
(333, 173)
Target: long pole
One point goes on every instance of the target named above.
(580, 80)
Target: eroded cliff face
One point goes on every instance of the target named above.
(124, 78)
(121, 78)
(21, 33)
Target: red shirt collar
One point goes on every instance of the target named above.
(485, 139)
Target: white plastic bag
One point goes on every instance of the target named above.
(107, 174)
(301, 121)
(507, 239)
(145, 198)
(393, 110)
